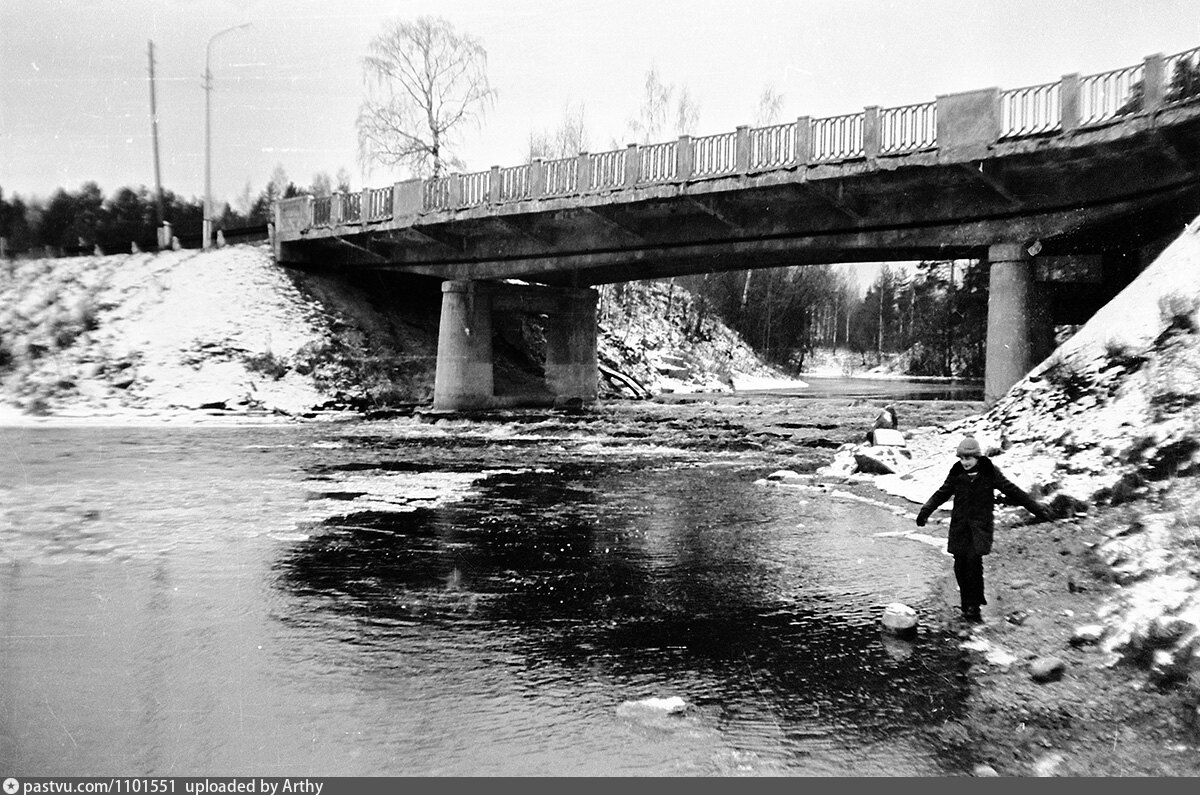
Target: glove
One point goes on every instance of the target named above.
(921, 518)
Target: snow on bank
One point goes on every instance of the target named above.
(227, 330)
(1112, 417)
(166, 331)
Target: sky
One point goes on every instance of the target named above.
(75, 88)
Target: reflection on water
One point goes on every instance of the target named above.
(406, 599)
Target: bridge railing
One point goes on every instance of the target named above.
(322, 210)
(377, 203)
(1033, 110)
(714, 155)
(773, 147)
(656, 162)
(908, 128)
(474, 188)
(1182, 74)
(837, 138)
(1071, 103)
(608, 170)
(514, 183)
(560, 176)
(1106, 95)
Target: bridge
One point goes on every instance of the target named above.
(1066, 188)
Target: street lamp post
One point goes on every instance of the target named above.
(208, 215)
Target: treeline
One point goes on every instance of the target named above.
(82, 221)
(934, 318)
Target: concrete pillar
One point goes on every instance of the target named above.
(968, 124)
(572, 369)
(803, 140)
(494, 185)
(537, 178)
(683, 158)
(583, 173)
(1069, 102)
(1154, 82)
(633, 165)
(406, 198)
(463, 379)
(872, 134)
(1015, 320)
(741, 150)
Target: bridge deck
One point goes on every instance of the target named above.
(1084, 181)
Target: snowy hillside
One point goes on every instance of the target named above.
(227, 329)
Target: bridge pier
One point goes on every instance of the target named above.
(464, 380)
(572, 366)
(1019, 332)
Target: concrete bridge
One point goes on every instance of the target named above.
(1066, 188)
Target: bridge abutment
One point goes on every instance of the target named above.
(1019, 332)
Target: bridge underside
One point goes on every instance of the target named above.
(1110, 195)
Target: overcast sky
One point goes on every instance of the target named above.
(75, 98)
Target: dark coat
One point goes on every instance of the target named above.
(971, 518)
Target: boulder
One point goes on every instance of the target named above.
(1047, 669)
(1087, 635)
(888, 438)
(899, 619)
(651, 709)
(881, 459)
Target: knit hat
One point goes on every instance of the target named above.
(968, 446)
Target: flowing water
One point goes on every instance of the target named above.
(493, 597)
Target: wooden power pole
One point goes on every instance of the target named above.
(158, 194)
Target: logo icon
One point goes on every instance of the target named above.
(11, 785)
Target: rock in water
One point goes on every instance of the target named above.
(1047, 669)
(888, 437)
(668, 705)
(899, 619)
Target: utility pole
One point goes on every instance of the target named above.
(158, 194)
(208, 212)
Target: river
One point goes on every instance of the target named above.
(450, 597)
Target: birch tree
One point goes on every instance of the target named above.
(424, 84)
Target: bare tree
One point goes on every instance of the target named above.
(322, 184)
(666, 109)
(769, 106)
(424, 82)
(568, 139)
